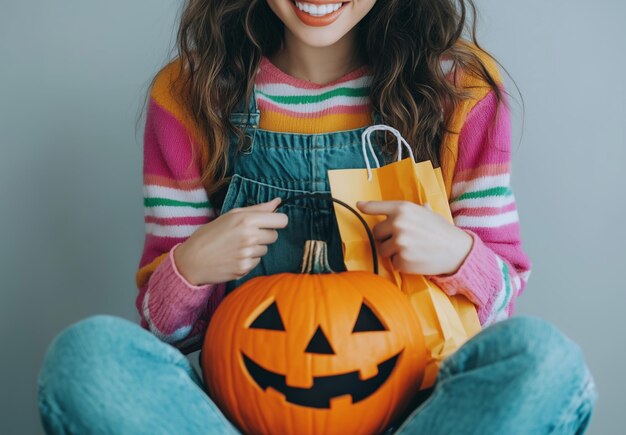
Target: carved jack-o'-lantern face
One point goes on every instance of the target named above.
(323, 388)
(328, 353)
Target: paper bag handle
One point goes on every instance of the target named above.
(366, 141)
(328, 197)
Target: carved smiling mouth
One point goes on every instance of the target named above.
(324, 387)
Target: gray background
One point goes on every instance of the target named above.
(72, 79)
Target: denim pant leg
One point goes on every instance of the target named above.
(106, 375)
(519, 376)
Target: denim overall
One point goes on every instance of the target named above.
(275, 164)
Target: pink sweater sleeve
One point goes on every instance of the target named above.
(175, 205)
(497, 269)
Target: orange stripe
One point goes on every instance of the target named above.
(166, 93)
(143, 274)
(278, 122)
(477, 89)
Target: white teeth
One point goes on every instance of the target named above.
(318, 10)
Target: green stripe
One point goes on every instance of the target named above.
(309, 99)
(494, 191)
(155, 202)
(507, 286)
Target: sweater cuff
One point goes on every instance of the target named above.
(172, 305)
(171, 286)
(478, 277)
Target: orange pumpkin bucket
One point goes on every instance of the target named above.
(314, 352)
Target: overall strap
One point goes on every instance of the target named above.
(249, 123)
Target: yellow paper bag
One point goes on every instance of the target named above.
(446, 321)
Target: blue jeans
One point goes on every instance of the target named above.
(106, 375)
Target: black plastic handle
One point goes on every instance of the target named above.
(328, 197)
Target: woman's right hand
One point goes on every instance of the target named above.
(231, 245)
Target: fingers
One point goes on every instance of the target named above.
(255, 251)
(268, 206)
(397, 263)
(387, 208)
(260, 220)
(391, 250)
(268, 220)
(383, 230)
(388, 248)
(390, 208)
(245, 265)
(267, 237)
(261, 215)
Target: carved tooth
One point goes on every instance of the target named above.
(275, 396)
(299, 379)
(368, 372)
(337, 404)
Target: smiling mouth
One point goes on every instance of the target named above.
(324, 387)
(317, 14)
(318, 10)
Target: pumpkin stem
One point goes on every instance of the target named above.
(315, 259)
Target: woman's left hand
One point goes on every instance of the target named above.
(416, 239)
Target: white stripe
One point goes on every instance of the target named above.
(505, 299)
(154, 191)
(480, 183)
(502, 315)
(488, 201)
(178, 231)
(285, 90)
(167, 211)
(317, 107)
(493, 221)
(177, 335)
(499, 300)
(500, 297)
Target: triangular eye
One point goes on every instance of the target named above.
(367, 321)
(269, 319)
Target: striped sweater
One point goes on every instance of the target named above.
(492, 276)
(291, 105)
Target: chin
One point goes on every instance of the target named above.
(317, 38)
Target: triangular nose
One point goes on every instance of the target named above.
(319, 344)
